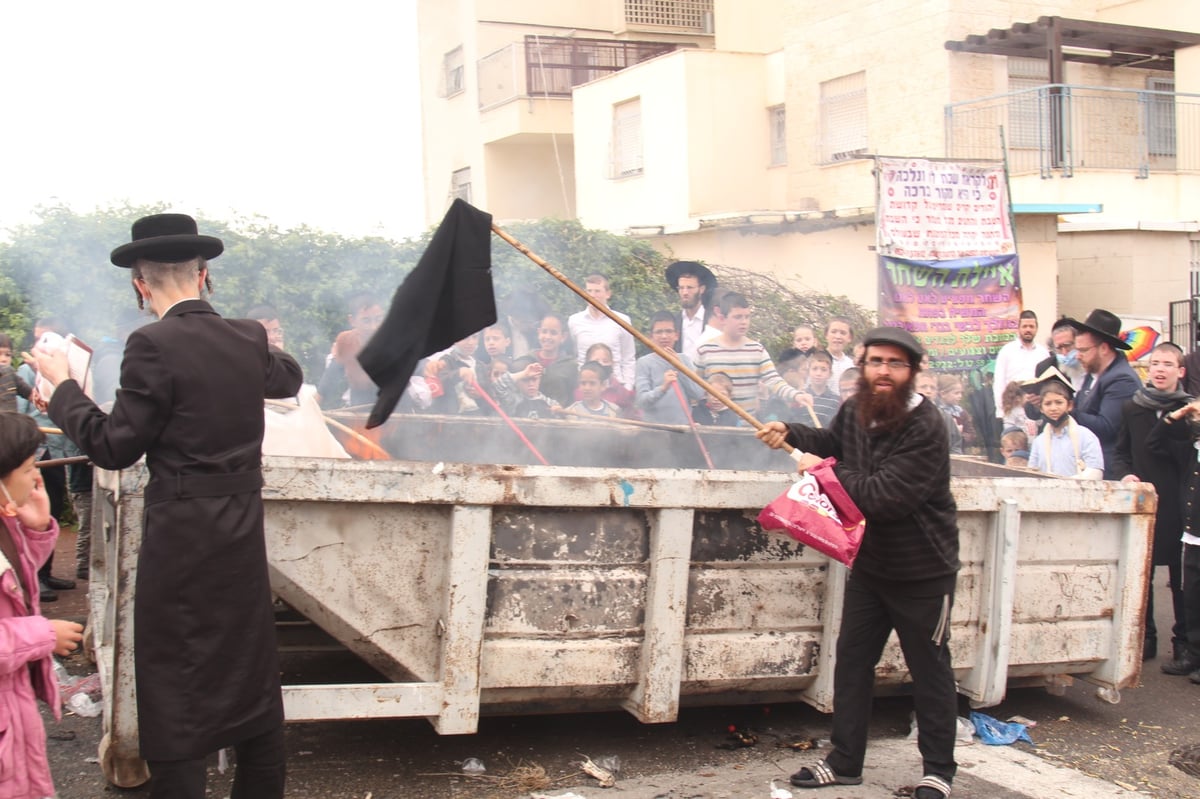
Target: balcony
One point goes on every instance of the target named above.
(546, 67)
(1060, 128)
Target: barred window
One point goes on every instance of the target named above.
(1160, 122)
(1028, 124)
(627, 139)
(844, 118)
(777, 120)
(689, 15)
(460, 184)
(453, 72)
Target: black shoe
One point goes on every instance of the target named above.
(1180, 666)
(47, 594)
(81, 574)
(1195, 676)
(1150, 649)
(58, 584)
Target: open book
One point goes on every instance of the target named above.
(79, 362)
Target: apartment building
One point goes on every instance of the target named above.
(743, 131)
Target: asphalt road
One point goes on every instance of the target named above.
(1126, 744)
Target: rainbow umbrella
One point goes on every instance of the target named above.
(1140, 340)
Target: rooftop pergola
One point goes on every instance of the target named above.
(1058, 40)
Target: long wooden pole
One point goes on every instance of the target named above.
(666, 355)
(673, 428)
(687, 411)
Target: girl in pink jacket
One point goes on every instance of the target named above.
(27, 639)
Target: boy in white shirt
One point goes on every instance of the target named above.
(1063, 448)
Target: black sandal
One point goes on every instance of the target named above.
(932, 786)
(820, 775)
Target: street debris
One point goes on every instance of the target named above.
(602, 775)
(801, 744)
(473, 765)
(1187, 759)
(995, 732)
(522, 778)
(779, 793)
(738, 738)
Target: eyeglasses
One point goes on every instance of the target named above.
(894, 365)
(1064, 348)
(1083, 350)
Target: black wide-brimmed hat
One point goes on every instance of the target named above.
(897, 337)
(167, 238)
(702, 273)
(1103, 324)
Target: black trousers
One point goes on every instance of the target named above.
(1175, 581)
(259, 773)
(1191, 598)
(919, 612)
(55, 480)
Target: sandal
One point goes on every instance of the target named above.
(932, 786)
(820, 775)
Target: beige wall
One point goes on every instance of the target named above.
(748, 27)
(1167, 14)
(704, 135)
(524, 182)
(1129, 272)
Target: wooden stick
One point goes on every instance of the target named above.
(669, 357)
(512, 425)
(672, 428)
(813, 415)
(687, 411)
(50, 431)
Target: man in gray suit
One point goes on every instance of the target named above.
(190, 399)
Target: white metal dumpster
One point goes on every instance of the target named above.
(478, 587)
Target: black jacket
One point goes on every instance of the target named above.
(901, 483)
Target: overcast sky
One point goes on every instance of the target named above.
(300, 112)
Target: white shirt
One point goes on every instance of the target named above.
(587, 330)
(840, 364)
(1016, 362)
(692, 330)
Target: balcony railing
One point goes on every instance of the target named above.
(1059, 127)
(550, 66)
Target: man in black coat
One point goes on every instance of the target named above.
(191, 399)
(893, 455)
(1134, 463)
(1109, 383)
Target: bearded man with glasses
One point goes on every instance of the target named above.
(893, 455)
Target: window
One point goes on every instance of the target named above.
(777, 120)
(689, 15)
(844, 118)
(453, 74)
(627, 139)
(1028, 125)
(460, 184)
(1160, 111)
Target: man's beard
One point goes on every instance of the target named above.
(884, 411)
(689, 304)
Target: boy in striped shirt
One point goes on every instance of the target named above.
(743, 359)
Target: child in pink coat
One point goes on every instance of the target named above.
(27, 639)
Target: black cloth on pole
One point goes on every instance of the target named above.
(447, 297)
